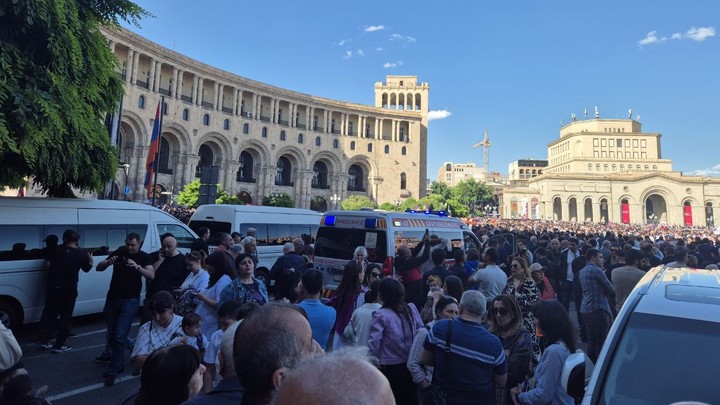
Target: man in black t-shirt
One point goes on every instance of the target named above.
(130, 265)
(64, 265)
(170, 272)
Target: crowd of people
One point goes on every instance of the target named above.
(492, 328)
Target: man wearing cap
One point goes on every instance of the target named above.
(61, 290)
(158, 332)
(537, 272)
(130, 265)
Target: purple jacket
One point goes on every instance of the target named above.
(391, 337)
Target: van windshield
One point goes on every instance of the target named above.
(340, 243)
(678, 352)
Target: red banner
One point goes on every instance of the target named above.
(687, 210)
(625, 209)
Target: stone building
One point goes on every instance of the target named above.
(602, 170)
(525, 169)
(266, 139)
(453, 173)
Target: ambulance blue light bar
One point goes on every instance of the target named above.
(330, 220)
(438, 213)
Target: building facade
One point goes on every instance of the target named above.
(525, 169)
(264, 139)
(608, 170)
(453, 173)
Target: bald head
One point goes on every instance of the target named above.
(169, 246)
(343, 377)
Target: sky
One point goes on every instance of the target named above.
(517, 69)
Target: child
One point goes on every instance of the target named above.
(435, 285)
(193, 337)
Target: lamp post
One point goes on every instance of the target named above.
(397, 204)
(126, 170)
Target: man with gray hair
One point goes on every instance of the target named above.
(343, 377)
(269, 343)
(474, 369)
(250, 246)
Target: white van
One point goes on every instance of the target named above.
(274, 225)
(25, 223)
(380, 232)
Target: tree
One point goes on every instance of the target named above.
(468, 191)
(388, 206)
(441, 189)
(278, 200)
(355, 202)
(190, 195)
(58, 81)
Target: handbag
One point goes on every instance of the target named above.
(434, 394)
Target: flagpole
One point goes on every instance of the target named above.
(157, 154)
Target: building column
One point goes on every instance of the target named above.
(342, 180)
(378, 123)
(216, 94)
(309, 118)
(595, 211)
(200, 91)
(158, 78)
(138, 189)
(239, 102)
(326, 120)
(111, 45)
(235, 101)
(257, 107)
(193, 93)
(565, 210)
(151, 75)
(191, 161)
(172, 88)
(177, 174)
(136, 60)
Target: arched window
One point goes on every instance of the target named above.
(246, 129)
(647, 167)
(317, 141)
(387, 149)
(320, 175)
(606, 167)
(282, 135)
(300, 138)
(206, 119)
(264, 132)
(614, 167)
(404, 151)
(448, 167)
(622, 167)
(283, 172)
(245, 169)
(654, 167)
(186, 114)
(141, 102)
(355, 178)
(206, 158)
(226, 124)
(165, 109)
(403, 181)
(164, 157)
(369, 147)
(336, 144)
(352, 145)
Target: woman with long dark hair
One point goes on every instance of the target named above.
(391, 336)
(220, 277)
(558, 333)
(170, 376)
(505, 320)
(345, 300)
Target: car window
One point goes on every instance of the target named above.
(662, 360)
(183, 236)
(340, 243)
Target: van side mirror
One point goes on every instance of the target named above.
(576, 374)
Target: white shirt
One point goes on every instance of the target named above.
(198, 281)
(360, 322)
(152, 336)
(207, 313)
(491, 281)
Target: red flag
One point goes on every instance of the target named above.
(151, 164)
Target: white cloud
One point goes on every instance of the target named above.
(360, 52)
(343, 42)
(649, 39)
(438, 115)
(693, 34)
(348, 54)
(700, 34)
(410, 39)
(398, 37)
(392, 64)
(712, 171)
(379, 49)
(373, 28)
(393, 37)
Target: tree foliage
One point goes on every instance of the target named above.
(278, 200)
(58, 81)
(356, 202)
(388, 206)
(190, 195)
(459, 199)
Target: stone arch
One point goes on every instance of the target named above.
(221, 147)
(245, 196)
(557, 208)
(295, 155)
(178, 137)
(573, 209)
(258, 150)
(362, 160)
(133, 130)
(331, 161)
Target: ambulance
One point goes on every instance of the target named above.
(381, 232)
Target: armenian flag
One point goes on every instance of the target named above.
(151, 163)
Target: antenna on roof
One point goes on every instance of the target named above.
(597, 113)
(586, 113)
(630, 113)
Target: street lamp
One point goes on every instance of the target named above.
(397, 204)
(335, 199)
(126, 170)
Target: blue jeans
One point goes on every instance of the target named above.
(119, 315)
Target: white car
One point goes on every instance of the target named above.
(663, 346)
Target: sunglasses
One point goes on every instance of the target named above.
(500, 311)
